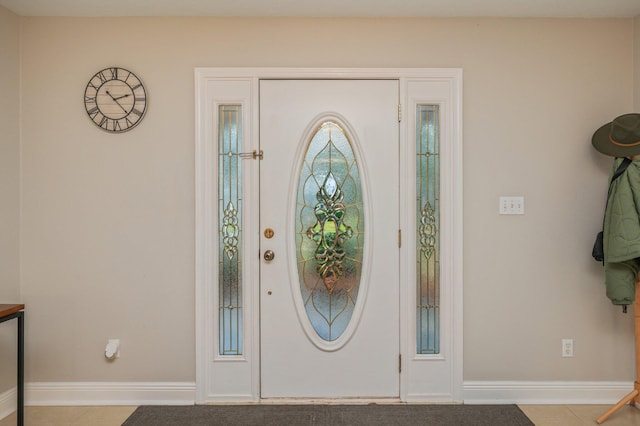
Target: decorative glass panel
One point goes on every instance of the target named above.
(329, 231)
(428, 229)
(230, 229)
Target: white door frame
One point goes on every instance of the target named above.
(237, 378)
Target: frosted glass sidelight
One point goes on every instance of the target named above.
(230, 230)
(329, 231)
(428, 229)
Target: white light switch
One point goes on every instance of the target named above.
(511, 205)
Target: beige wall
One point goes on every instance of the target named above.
(636, 73)
(108, 220)
(9, 186)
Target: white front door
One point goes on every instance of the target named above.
(329, 298)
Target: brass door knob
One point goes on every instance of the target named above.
(269, 255)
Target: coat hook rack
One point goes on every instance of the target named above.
(632, 397)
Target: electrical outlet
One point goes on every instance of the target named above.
(567, 348)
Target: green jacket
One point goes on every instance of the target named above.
(622, 234)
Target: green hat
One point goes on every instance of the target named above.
(620, 138)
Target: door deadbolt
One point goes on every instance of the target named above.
(269, 255)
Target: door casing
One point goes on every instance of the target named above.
(236, 379)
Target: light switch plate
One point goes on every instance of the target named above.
(511, 205)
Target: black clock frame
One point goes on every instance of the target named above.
(96, 103)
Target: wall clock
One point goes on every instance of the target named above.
(115, 100)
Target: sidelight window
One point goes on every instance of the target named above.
(230, 229)
(428, 229)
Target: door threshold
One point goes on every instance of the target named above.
(330, 401)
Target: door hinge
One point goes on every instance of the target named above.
(253, 155)
(400, 363)
(399, 238)
(399, 113)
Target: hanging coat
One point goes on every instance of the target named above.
(622, 235)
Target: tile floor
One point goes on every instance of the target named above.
(541, 415)
(71, 416)
(578, 415)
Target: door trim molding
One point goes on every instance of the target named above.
(450, 81)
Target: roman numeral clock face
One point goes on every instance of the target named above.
(115, 100)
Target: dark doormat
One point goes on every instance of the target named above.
(328, 415)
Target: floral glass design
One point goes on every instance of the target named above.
(428, 227)
(230, 230)
(329, 231)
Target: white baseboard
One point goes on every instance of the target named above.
(110, 393)
(8, 402)
(476, 392)
(183, 393)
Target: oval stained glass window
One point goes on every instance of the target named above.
(329, 231)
